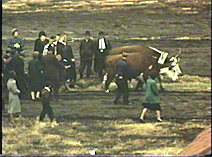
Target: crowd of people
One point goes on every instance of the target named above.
(35, 78)
(35, 81)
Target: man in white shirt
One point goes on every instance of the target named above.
(102, 50)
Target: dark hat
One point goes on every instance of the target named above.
(14, 30)
(87, 33)
(101, 33)
(41, 33)
(124, 55)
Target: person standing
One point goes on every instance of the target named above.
(35, 76)
(15, 42)
(16, 63)
(102, 50)
(151, 100)
(47, 109)
(68, 57)
(50, 46)
(14, 101)
(40, 42)
(121, 79)
(86, 55)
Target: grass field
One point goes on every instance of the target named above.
(86, 118)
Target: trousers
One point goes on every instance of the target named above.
(122, 90)
(47, 109)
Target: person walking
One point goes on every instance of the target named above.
(121, 79)
(86, 55)
(35, 73)
(15, 42)
(102, 50)
(14, 101)
(151, 100)
(47, 109)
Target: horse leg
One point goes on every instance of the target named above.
(107, 82)
(160, 82)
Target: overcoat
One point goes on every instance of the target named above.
(35, 75)
(152, 94)
(86, 49)
(14, 101)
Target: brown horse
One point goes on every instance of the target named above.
(141, 60)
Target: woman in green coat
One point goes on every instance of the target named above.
(151, 100)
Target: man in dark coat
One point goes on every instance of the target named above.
(15, 42)
(86, 55)
(40, 42)
(68, 57)
(35, 73)
(17, 64)
(102, 50)
(121, 79)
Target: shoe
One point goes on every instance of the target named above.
(159, 120)
(141, 121)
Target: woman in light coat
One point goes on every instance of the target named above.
(14, 101)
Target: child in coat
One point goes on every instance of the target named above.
(151, 100)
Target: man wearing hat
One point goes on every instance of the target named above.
(15, 42)
(121, 79)
(86, 54)
(102, 50)
(40, 42)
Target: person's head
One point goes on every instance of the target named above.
(15, 32)
(101, 34)
(58, 37)
(87, 34)
(64, 38)
(35, 54)
(42, 35)
(153, 74)
(124, 55)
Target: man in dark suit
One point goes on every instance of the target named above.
(102, 50)
(86, 55)
(121, 79)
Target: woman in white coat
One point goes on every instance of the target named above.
(14, 101)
